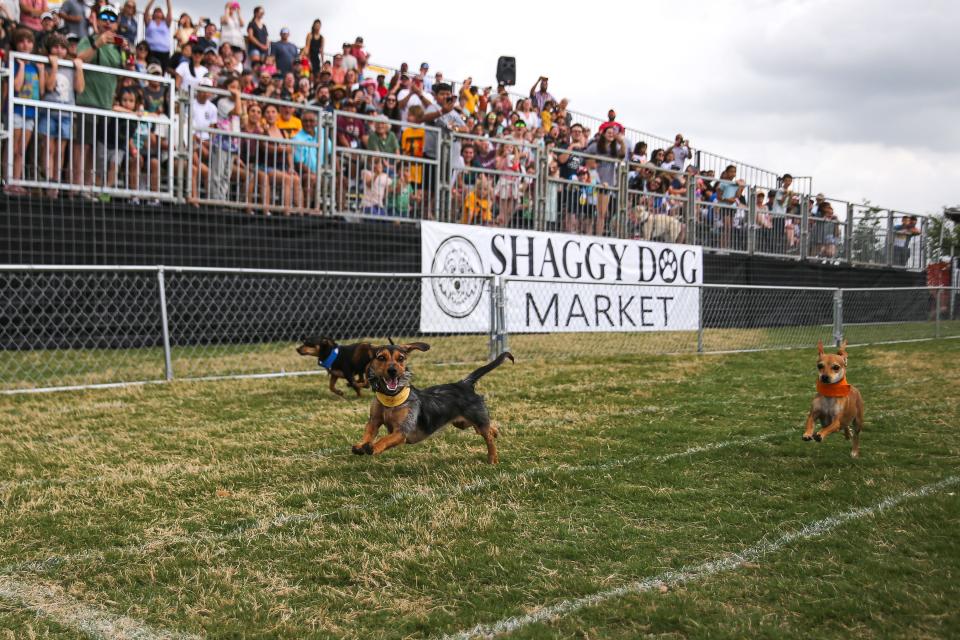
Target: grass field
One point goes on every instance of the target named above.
(661, 496)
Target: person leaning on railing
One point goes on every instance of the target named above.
(63, 85)
(104, 49)
(28, 80)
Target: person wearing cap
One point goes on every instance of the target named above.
(189, 72)
(54, 127)
(211, 60)
(74, 16)
(72, 41)
(154, 92)
(382, 138)
(99, 49)
(427, 82)
(50, 24)
(285, 52)
(156, 30)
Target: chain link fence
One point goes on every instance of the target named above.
(67, 327)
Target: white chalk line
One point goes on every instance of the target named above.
(265, 525)
(51, 602)
(698, 572)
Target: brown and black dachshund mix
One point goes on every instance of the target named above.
(347, 361)
(412, 414)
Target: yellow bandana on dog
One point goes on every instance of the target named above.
(394, 401)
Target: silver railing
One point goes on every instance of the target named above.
(333, 173)
(118, 325)
(405, 184)
(255, 171)
(57, 146)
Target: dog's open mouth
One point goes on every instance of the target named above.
(392, 384)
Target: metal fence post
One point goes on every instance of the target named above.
(848, 235)
(334, 183)
(444, 177)
(690, 212)
(837, 317)
(503, 336)
(804, 228)
(164, 327)
(936, 305)
(751, 220)
(623, 170)
(494, 316)
(543, 175)
(888, 254)
(700, 320)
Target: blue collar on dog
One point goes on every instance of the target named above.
(326, 364)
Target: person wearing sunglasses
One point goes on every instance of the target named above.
(104, 48)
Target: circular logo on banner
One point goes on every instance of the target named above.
(457, 296)
(668, 265)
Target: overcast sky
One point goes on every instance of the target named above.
(862, 95)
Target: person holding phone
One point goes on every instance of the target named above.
(106, 49)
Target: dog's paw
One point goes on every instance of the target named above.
(358, 449)
(818, 437)
(367, 449)
(807, 438)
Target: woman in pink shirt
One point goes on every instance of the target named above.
(30, 12)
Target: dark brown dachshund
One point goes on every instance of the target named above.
(411, 414)
(347, 361)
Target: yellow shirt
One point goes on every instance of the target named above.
(547, 119)
(411, 143)
(289, 128)
(474, 208)
(471, 101)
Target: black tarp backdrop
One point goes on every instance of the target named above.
(42, 310)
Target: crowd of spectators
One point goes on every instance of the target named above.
(499, 138)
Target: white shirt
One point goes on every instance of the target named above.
(187, 79)
(680, 156)
(203, 115)
(414, 99)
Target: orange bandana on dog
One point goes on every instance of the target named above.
(836, 390)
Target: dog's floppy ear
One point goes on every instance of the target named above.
(820, 347)
(415, 346)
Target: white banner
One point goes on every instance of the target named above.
(555, 281)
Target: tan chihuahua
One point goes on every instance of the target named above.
(838, 404)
